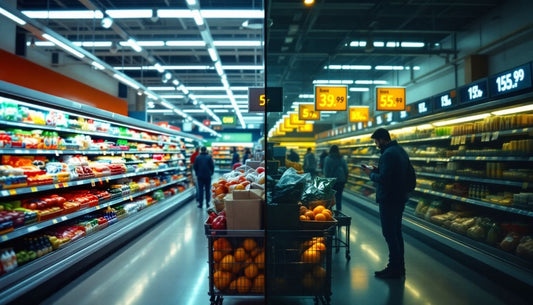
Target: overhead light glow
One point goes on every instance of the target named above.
(97, 65)
(151, 43)
(168, 105)
(244, 67)
(212, 54)
(126, 81)
(65, 14)
(412, 44)
(133, 44)
(63, 46)
(197, 18)
(91, 44)
(185, 43)
(191, 2)
(175, 82)
(159, 68)
(514, 110)
(392, 44)
(245, 14)
(389, 68)
(237, 43)
(106, 22)
(370, 82)
(125, 14)
(355, 89)
(348, 67)
(306, 96)
(12, 17)
(462, 120)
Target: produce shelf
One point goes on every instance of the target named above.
(58, 152)
(430, 139)
(523, 185)
(485, 158)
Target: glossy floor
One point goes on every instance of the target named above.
(168, 265)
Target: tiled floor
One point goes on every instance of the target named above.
(168, 265)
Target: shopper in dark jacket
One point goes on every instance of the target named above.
(323, 156)
(204, 168)
(391, 194)
(293, 156)
(247, 155)
(310, 163)
(235, 157)
(335, 167)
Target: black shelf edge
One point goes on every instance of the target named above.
(480, 180)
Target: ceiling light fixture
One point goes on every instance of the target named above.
(106, 22)
(185, 43)
(159, 68)
(197, 17)
(63, 46)
(126, 81)
(213, 54)
(358, 89)
(126, 14)
(97, 65)
(12, 17)
(462, 120)
(133, 44)
(253, 24)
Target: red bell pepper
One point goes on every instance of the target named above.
(219, 223)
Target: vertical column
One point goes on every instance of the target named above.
(8, 29)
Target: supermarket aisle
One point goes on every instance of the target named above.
(168, 265)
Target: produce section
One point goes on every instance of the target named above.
(66, 177)
(223, 153)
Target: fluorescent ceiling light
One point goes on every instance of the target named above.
(90, 44)
(97, 65)
(65, 14)
(150, 95)
(245, 14)
(354, 89)
(12, 17)
(191, 2)
(221, 110)
(514, 110)
(169, 13)
(306, 96)
(159, 68)
(337, 81)
(412, 44)
(159, 111)
(63, 46)
(348, 67)
(462, 120)
(244, 67)
(370, 82)
(197, 17)
(416, 68)
(42, 43)
(193, 110)
(168, 105)
(379, 44)
(122, 13)
(154, 43)
(237, 43)
(213, 54)
(358, 44)
(218, 67)
(162, 88)
(389, 68)
(172, 96)
(106, 22)
(289, 39)
(175, 82)
(133, 44)
(185, 43)
(126, 81)
(187, 67)
(392, 44)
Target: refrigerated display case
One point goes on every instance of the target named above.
(223, 153)
(75, 183)
(474, 175)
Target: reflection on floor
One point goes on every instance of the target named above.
(168, 265)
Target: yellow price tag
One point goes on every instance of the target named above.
(331, 98)
(12, 192)
(359, 114)
(390, 98)
(33, 189)
(92, 183)
(97, 207)
(56, 186)
(307, 112)
(54, 221)
(4, 237)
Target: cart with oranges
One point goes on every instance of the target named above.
(236, 264)
(299, 263)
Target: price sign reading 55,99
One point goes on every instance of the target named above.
(331, 98)
(307, 112)
(390, 99)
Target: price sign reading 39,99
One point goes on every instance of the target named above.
(331, 98)
(390, 99)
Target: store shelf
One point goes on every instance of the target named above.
(92, 181)
(364, 156)
(523, 185)
(58, 152)
(485, 158)
(430, 139)
(494, 135)
(477, 202)
(362, 185)
(42, 225)
(359, 177)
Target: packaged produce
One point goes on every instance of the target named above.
(319, 192)
(494, 235)
(290, 187)
(525, 248)
(510, 242)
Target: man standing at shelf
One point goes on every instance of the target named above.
(310, 163)
(194, 180)
(393, 178)
(235, 157)
(204, 168)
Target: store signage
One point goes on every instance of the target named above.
(236, 137)
(331, 98)
(420, 108)
(306, 128)
(229, 120)
(295, 120)
(307, 112)
(510, 81)
(207, 123)
(187, 126)
(445, 100)
(359, 114)
(474, 92)
(287, 123)
(285, 128)
(390, 98)
(271, 101)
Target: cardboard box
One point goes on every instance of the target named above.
(244, 209)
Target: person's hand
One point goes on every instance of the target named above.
(367, 170)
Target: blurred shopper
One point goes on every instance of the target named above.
(392, 178)
(310, 163)
(247, 155)
(335, 167)
(322, 157)
(293, 156)
(204, 168)
(235, 157)
(193, 174)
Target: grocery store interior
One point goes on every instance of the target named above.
(104, 103)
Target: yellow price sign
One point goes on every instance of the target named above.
(359, 114)
(295, 120)
(390, 99)
(288, 124)
(331, 98)
(307, 112)
(305, 128)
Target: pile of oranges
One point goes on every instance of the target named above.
(313, 254)
(238, 269)
(319, 213)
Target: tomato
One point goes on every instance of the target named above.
(260, 170)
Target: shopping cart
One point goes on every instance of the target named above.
(299, 264)
(342, 221)
(236, 264)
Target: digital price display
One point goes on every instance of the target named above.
(307, 112)
(474, 92)
(272, 101)
(359, 114)
(509, 81)
(295, 120)
(331, 98)
(390, 99)
(445, 100)
(229, 120)
(421, 108)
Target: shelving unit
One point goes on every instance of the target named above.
(152, 182)
(223, 154)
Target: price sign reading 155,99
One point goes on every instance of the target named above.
(390, 99)
(510, 81)
(307, 112)
(331, 98)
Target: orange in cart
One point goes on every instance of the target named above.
(240, 255)
(318, 209)
(251, 271)
(311, 256)
(222, 244)
(249, 244)
(258, 285)
(227, 263)
(222, 279)
(243, 284)
(260, 260)
(320, 217)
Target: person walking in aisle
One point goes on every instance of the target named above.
(310, 163)
(323, 156)
(204, 168)
(235, 157)
(193, 174)
(335, 167)
(247, 155)
(391, 178)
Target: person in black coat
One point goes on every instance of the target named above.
(204, 167)
(391, 194)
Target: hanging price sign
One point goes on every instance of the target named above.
(390, 99)
(307, 112)
(331, 98)
(359, 114)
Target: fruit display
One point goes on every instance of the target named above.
(238, 265)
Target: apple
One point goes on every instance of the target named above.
(260, 169)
